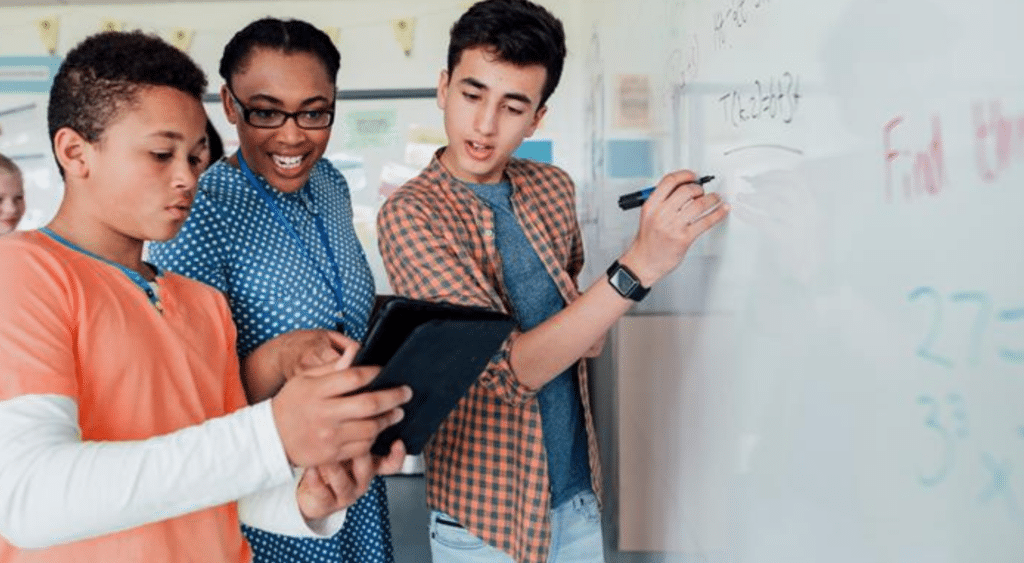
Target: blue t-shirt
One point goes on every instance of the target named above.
(234, 241)
(535, 298)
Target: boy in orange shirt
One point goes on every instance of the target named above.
(124, 433)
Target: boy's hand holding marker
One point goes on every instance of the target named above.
(673, 214)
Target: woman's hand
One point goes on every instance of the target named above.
(277, 360)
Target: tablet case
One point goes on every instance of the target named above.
(394, 318)
(437, 349)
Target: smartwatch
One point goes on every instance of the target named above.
(625, 282)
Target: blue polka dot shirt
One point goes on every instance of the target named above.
(233, 241)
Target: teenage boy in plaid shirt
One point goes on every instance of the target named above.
(513, 473)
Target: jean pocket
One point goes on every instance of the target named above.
(446, 531)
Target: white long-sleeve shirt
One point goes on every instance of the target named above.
(55, 488)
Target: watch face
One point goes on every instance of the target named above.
(623, 282)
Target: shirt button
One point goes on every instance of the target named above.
(488, 233)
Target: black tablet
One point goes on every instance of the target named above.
(394, 318)
(438, 350)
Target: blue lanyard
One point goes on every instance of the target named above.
(136, 277)
(333, 278)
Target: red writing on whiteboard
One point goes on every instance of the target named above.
(920, 168)
(998, 140)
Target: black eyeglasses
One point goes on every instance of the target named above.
(274, 118)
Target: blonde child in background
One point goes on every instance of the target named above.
(12, 195)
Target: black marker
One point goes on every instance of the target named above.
(636, 199)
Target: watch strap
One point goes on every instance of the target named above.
(625, 282)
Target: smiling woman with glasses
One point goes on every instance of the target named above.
(271, 227)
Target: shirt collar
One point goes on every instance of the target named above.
(514, 172)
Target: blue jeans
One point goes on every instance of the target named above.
(575, 536)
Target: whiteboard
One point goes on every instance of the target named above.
(837, 373)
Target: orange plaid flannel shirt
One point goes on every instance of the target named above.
(487, 465)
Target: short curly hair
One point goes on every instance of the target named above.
(104, 73)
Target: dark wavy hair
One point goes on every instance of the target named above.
(518, 32)
(105, 72)
(213, 142)
(288, 36)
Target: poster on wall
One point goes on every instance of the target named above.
(27, 74)
(371, 129)
(633, 102)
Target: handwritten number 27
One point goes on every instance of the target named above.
(927, 348)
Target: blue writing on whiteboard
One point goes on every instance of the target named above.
(981, 318)
(1015, 356)
(924, 350)
(946, 420)
(946, 435)
(999, 484)
(972, 325)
